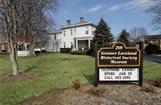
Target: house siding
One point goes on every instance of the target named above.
(70, 37)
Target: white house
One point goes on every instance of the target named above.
(23, 46)
(76, 36)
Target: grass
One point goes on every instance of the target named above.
(158, 55)
(152, 70)
(55, 71)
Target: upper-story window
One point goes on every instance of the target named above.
(54, 36)
(92, 32)
(71, 32)
(64, 33)
(86, 31)
(75, 30)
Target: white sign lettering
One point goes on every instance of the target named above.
(118, 74)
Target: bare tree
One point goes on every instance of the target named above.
(8, 17)
(35, 20)
(155, 9)
(137, 33)
(24, 17)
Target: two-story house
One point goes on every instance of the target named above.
(76, 36)
(153, 39)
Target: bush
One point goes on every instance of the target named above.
(157, 82)
(76, 84)
(4, 53)
(65, 50)
(79, 53)
(148, 89)
(37, 52)
(96, 91)
(158, 51)
(151, 48)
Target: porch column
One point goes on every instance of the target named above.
(25, 45)
(89, 43)
(76, 44)
(160, 44)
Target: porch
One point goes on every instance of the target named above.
(82, 43)
(24, 49)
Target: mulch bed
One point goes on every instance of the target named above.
(19, 76)
(101, 95)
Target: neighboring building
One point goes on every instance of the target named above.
(23, 46)
(4, 48)
(75, 36)
(54, 42)
(154, 39)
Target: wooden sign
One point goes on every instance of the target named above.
(119, 64)
(119, 55)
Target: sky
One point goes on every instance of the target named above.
(118, 14)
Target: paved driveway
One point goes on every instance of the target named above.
(153, 58)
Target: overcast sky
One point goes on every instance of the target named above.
(118, 14)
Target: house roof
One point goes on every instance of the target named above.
(20, 39)
(24, 39)
(78, 25)
(54, 33)
(152, 36)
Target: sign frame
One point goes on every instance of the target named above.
(140, 66)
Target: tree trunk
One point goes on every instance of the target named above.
(13, 56)
(32, 46)
(10, 31)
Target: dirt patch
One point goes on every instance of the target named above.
(101, 95)
(19, 76)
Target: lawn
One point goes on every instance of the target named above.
(55, 71)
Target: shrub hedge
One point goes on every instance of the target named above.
(151, 48)
(78, 52)
(65, 50)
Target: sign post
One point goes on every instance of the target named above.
(141, 64)
(96, 68)
(119, 64)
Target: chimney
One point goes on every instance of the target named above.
(82, 20)
(68, 23)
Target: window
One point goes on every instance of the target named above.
(64, 32)
(28, 47)
(64, 45)
(57, 44)
(2, 47)
(55, 36)
(71, 31)
(71, 44)
(92, 32)
(74, 29)
(86, 31)
(21, 47)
